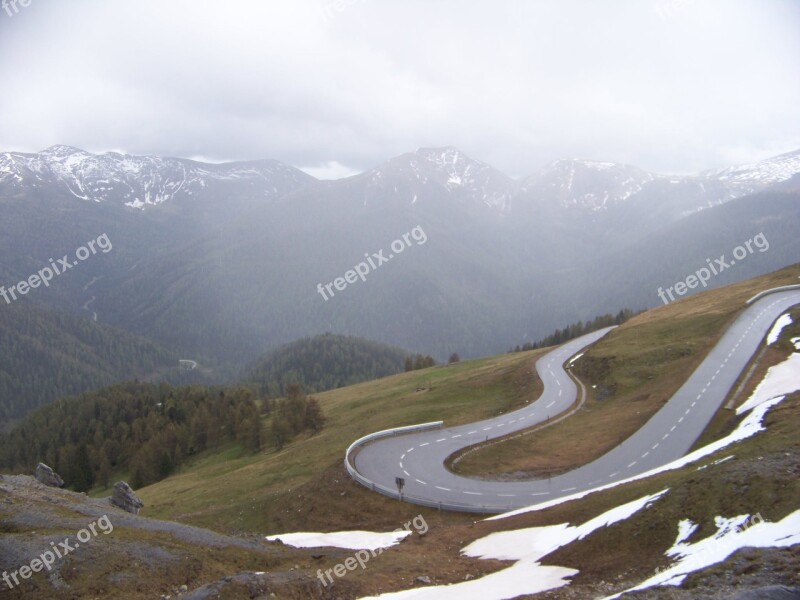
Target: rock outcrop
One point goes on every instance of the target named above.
(125, 498)
(47, 476)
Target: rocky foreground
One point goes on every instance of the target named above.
(61, 544)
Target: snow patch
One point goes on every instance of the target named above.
(349, 540)
(527, 547)
(775, 332)
(781, 379)
(731, 535)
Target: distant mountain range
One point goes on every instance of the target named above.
(221, 263)
(144, 182)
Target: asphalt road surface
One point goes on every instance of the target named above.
(419, 457)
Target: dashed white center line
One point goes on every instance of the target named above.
(551, 404)
(474, 493)
(425, 444)
(438, 487)
(441, 440)
(407, 473)
(630, 465)
(541, 494)
(472, 432)
(569, 489)
(455, 436)
(420, 481)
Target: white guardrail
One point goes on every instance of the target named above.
(396, 494)
(784, 288)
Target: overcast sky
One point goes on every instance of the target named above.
(338, 86)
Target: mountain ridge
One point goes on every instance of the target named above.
(587, 184)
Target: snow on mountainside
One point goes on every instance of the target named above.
(427, 175)
(586, 184)
(137, 181)
(595, 186)
(464, 173)
(746, 179)
(431, 171)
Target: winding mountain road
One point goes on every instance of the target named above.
(419, 458)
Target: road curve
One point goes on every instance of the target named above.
(419, 458)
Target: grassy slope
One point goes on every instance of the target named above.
(636, 369)
(230, 491)
(638, 366)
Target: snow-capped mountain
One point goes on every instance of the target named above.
(586, 184)
(592, 186)
(427, 175)
(139, 181)
(223, 261)
(433, 173)
(747, 179)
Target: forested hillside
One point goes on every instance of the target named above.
(322, 363)
(45, 355)
(145, 429)
(570, 332)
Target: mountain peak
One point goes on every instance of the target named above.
(748, 178)
(589, 184)
(60, 150)
(450, 151)
(447, 158)
(434, 174)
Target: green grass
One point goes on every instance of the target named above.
(636, 368)
(233, 491)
